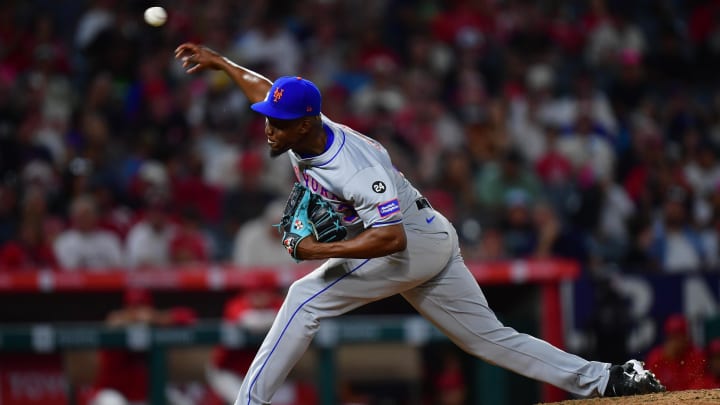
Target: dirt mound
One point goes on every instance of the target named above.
(693, 397)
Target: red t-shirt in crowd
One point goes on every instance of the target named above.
(15, 256)
(125, 372)
(237, 360)
(677, 374)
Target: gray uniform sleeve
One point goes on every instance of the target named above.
(374, 197)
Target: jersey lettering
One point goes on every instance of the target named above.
(318, 188)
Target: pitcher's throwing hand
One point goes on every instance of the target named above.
(196, 57)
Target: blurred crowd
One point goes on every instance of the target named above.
(560, 128)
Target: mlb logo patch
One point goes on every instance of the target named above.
(388, 208)
(298, 224)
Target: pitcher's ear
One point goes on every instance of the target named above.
(308, 124)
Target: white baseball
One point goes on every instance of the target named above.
(155, 16)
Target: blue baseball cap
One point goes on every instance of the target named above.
(290, 97)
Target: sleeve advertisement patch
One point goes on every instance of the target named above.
(388, 208)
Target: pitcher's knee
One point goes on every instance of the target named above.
(300, 291)
(299, 301)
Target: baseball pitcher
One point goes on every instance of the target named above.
(380, 237)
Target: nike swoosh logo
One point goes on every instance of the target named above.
(428, 220)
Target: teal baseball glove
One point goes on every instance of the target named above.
(308, 214)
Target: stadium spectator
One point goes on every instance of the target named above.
(257, 240)
(530, 39)
(8, 210)
(487, 136)
(482, 143)
(629, 85)
(556, 172)
(710, 230)
(380, 125)
(248, 200)
(669, 58)
(113, 215)
(450, 383)
(586, 102)
(676, 246)
(98, 17)
(327, 59)
(611, 37)
(702, 171)
(566, 31)
(188, 186)
(189, 243)
(269, 43)
(645, 170)
(461, 20)
(31, 249)
(496, 180)
(613, 231)
(554, 238)
(148, 242)
(676, 361)
(519, 234)
(703, 28)
(144, 177)
(587, 149)
(534, 230)
(427, 124)
(381, 90)
(527, 128)
(85, 246)
(125, 373)
(532, 99)
(711, 378)
(456, 198)
(489, 247)
(30, 252)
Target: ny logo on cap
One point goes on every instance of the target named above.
(277, 95)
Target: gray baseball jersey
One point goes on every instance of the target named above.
(355, 173)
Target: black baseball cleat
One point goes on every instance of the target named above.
(631, 379)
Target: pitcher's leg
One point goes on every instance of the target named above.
(286, 341)
(293, 329)
(333, 289)
(454, 302)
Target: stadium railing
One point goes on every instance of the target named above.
(43, 338)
